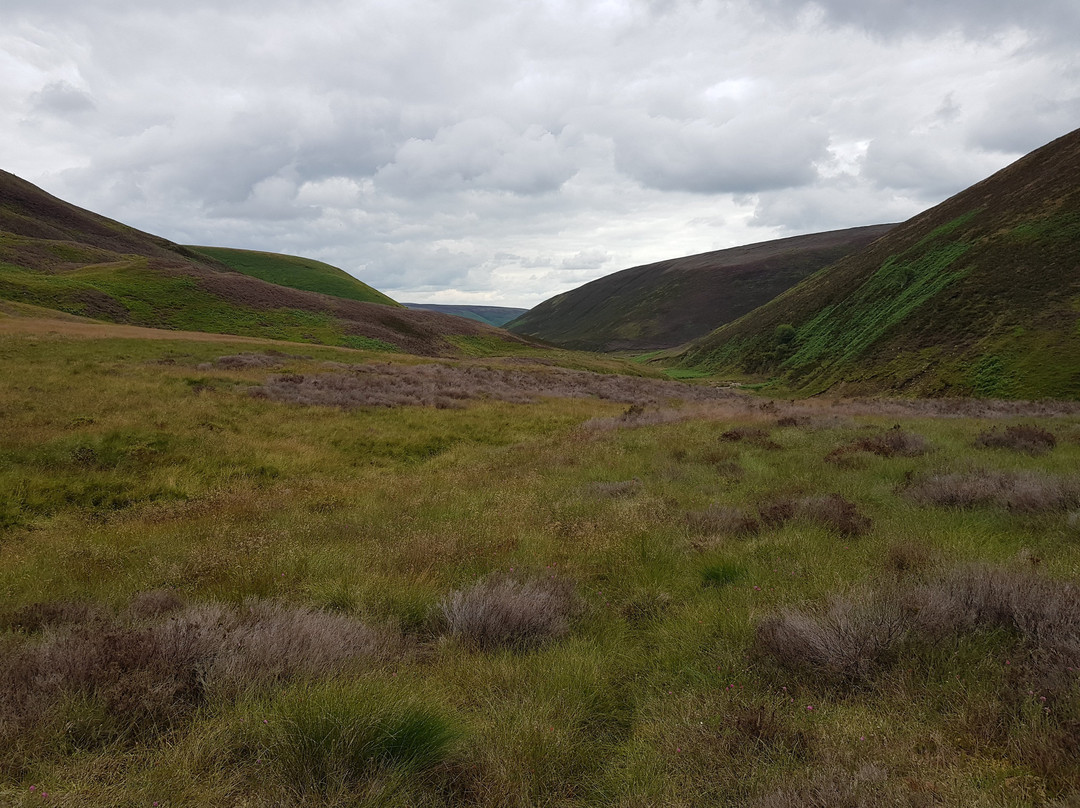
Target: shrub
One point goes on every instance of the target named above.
(832, 511)
(721, 520)
(755, 436)
(1025, 491)
(502, 612)
(893, 442)
(907, 556)
(1027, 438)
(848, 642)
(40, 616)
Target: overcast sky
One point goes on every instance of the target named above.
(499, 152)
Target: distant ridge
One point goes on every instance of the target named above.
(58, 256)
(492, 315)
(979, 295)
(668, 303)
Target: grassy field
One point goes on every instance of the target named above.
(212, 596)
(298, 273)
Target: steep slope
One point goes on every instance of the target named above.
(492, 315)
(671, 302)
(979, 295)
(296, 273)
(56, 255)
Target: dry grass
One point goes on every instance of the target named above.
(615, 489)
(501, 612)
(1025, 491)
(1026, 438)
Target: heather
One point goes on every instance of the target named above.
(242, 574)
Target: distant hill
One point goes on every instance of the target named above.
(62, 257)
(492, 315)
(297, 273)
(666, 304)
(979, 295)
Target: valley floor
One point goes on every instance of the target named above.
(228, 577)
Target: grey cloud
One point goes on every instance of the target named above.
(975, 18)
(743, 155)
(62, 99)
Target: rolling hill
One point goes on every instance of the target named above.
(296, 273)
(666, 304)
(497, 316)
(62, 257)
(979, 295)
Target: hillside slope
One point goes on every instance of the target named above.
(978, 295)
(297, 273)
(59, 256)
(492, 315)
(665, 304)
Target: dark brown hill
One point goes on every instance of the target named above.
(978, 295)
(62, 257)
(668, 303)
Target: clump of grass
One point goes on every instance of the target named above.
(36, 617)
(721, 574)
(645, 605)
(848, 642)
(832, 512)
(1026, 438)
(327, 738)
(894, 442)
(1025, 491)
(501, 612)
(722, 520)
(755, 436)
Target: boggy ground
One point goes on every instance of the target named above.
(211, 594)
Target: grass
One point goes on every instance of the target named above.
(572, 600)
(297, 273)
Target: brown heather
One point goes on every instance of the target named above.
(755, 436)
(722, 520)
(893, 442)
(1026, 438)
(442, 385)
(501, 612)
(1025, 491)
(831, 511)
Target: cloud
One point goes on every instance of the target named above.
(507, 152)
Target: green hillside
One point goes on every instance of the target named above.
(666, 304)
(61, 257)
(297, 273)
(977, 296)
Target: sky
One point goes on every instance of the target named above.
(500, 152)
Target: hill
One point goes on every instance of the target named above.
(666, 304)
(62, 257)
(492, 315)
(978, 295)
(296, 273)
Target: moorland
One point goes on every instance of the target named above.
(262, 545)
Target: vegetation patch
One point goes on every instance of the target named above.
(1024, 491)
(1027, 438)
